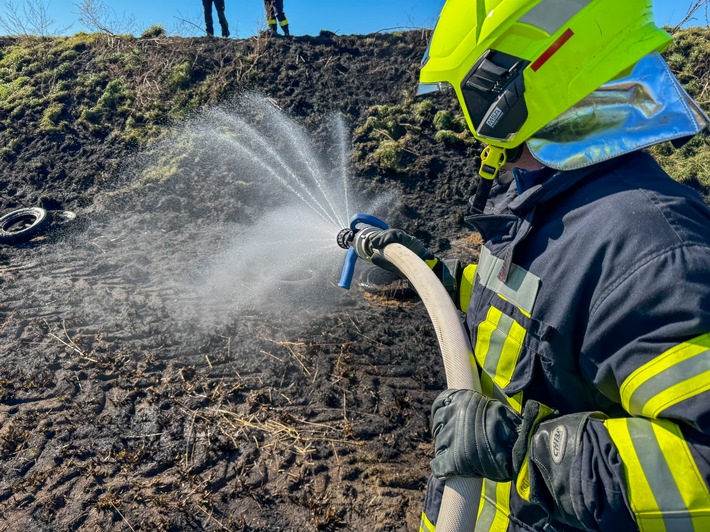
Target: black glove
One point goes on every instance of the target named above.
(478, 436)
(474, 436)
(448, 271)
(397, 236)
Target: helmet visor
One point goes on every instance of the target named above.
(429, 88)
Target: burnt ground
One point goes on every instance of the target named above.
(119, 413)
(155, 372)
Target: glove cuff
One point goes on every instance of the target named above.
(449, 272)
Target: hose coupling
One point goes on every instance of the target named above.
(356, 239)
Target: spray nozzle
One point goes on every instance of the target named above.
(356, 240)
(345, 238)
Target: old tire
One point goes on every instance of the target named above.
(22, 224)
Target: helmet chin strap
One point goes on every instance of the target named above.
(492, 160)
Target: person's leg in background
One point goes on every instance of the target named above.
(270, 16)
(207, 6)
(219, 6)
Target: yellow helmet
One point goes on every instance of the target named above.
(518, 64)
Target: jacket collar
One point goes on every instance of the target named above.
(510, 218)
(540, 186)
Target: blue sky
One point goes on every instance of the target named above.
(246, 17)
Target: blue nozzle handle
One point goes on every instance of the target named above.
(368, 219)
(346, 277)
(348, 269)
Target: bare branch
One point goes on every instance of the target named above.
(28, 18)
(183, 25)
(697, 4)
(95, 15)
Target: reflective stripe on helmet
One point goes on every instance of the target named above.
(552, 50)
(551, 15)
(672, 377)
(665, 488)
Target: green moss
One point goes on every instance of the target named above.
(689, 58)
(94, 80)
(13, 89)
(65, 71)
(690, 164)
(423, 110)
(50, 122)
(92, 115)
(114, 93)
(68, 56)
(181, 76)
(16, 58)
(449, 137)
(133, 61)
(155, 31)
(389, 155)
(60, 96)
(443, 120)
(384, 120)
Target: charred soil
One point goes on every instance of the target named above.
(114, 417)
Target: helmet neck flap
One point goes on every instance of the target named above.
(646, 107)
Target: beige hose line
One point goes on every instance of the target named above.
(461, 498)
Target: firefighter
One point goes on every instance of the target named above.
(209, 26)
(589, 308)
(274, 13)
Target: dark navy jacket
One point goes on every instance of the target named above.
(596, 273)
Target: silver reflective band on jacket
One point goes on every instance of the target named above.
(647, 107)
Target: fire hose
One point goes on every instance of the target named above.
(461, 495)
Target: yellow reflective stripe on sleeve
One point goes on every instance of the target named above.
(494, 510)
(516, 402)
(466, 286)
(486, 384)
(425, 525)
(672, 377)
(498, 345)
(483, 338)
(665, 488)
(432, 262)
(510, 352)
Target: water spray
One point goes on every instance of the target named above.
(460, 494)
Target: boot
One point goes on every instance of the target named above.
(273, 30)
(285, 30)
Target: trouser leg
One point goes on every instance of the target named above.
(270, 15)
(207, 6)
(280, 15)
(219, 6)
